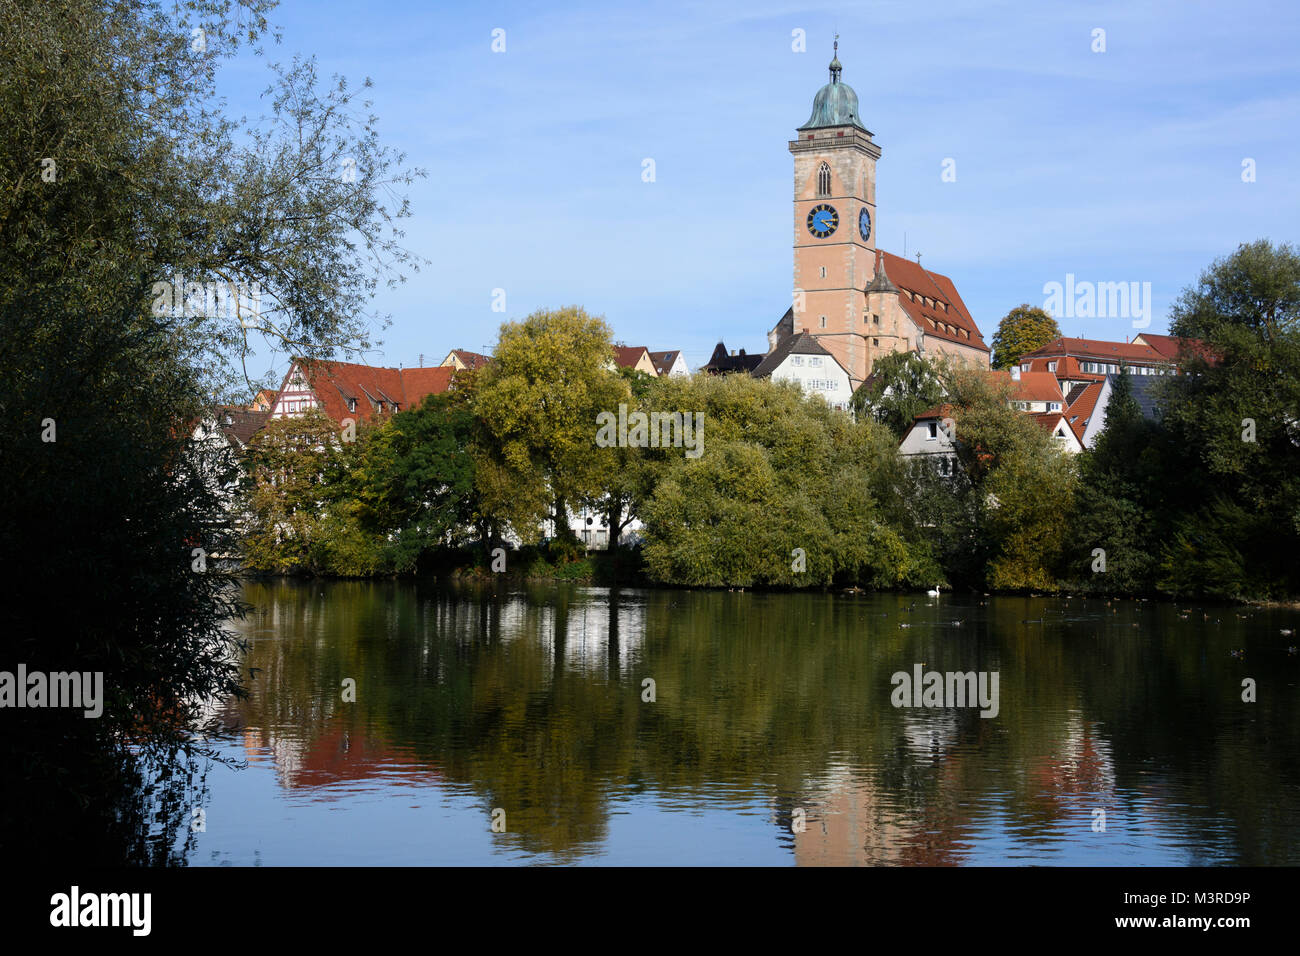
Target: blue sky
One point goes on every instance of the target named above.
(1117, 166)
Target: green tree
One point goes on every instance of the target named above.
(1021, 481)
(293, 468)
(1233, 418)
(1121, 501)
(1022, 330)
(901, 386)
(550, 376)
(787, 492)
(414, 479)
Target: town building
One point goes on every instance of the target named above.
(345, 390)
(635, 357)
(1096, 357)
(931, 439)
(803, 360)
(670, 363)
(463, 360)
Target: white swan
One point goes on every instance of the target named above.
(934, 592)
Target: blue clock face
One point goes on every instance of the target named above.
(864, 225)
(823, 220)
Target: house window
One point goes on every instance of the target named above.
(934, 429)
(875, 320)
(1051, 366)
(875, 343)
(815, 361)
(824, 180)
(1053, 406)
(352, 404)
(823, 321)
(796, 359)
(823, 272)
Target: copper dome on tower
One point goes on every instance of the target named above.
(835, 103)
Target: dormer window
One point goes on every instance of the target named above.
(352, 404)
(824, 180)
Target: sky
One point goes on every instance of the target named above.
(1115, 165)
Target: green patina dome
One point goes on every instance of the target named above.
(835, 103)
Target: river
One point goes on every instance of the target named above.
(405, 723)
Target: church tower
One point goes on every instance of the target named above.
(835, 224)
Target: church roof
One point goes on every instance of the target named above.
(931, 300)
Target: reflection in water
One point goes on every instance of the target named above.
(768, 708)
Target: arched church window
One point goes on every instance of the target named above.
(824, 180)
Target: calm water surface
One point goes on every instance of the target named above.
(769, 709)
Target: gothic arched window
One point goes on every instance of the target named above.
(824, 180)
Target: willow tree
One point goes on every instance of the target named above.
(131, 201)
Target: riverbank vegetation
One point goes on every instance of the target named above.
(1197, 498)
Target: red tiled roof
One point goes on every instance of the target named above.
(938, 411)
(334, 383)
(1169, 346)
(1037, 387)
(627, 355)
(932, 301)
(471, 360)
(1097, 349)
(1046, 420)
(1081, 409)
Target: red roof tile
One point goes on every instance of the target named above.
(471, 360)
(335, 383)
(932, 301)
(1169, 346)
(627, 355)
(1097, 349)
(1037, 387)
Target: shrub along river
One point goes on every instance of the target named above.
(706, 727)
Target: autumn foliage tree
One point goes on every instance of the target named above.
(537, 400)
(1023, 329)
